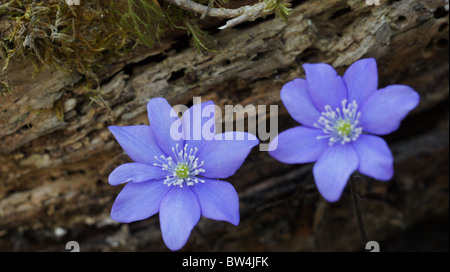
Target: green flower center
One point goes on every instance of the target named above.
(182, 167)
(341, 124)
(344, 127)
(182, 170)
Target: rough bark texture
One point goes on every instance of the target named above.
(56, 152)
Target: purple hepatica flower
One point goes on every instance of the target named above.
(339, 116)
(177, 178)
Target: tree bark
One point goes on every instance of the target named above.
(56, 152)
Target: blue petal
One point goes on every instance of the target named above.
(178, 215)
(162, 118)
(218, 200)
(325, 87)
(224, 155)
(295, 97)
(383, 112)
(137, 142)
(298, 145)
(361, 79)
(138, 201)
(199, 124)
(333, 169)
(375, 157)
(135, 172)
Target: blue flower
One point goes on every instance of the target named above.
(178, 177)
(340, 118)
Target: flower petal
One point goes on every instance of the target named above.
(298, 145)
(375, 157)
(295, 97)
(199, 124)
(383, 112)
(325, 86)
(333, 169)
(179, 213)
(218, 200)
(138, 201)
(224, 154)
(135, 172)
(137, 142)
(361, 79)
(162, 117)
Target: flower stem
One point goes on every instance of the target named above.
(357, 207)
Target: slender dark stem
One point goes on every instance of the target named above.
(357, 207)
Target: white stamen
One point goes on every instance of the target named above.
(341, 124)
(183, 169)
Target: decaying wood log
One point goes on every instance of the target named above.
(56, 152)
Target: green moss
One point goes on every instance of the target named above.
(143, 19)
(84, 37)
(281, 10)
(4, 88)
(52, 33)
